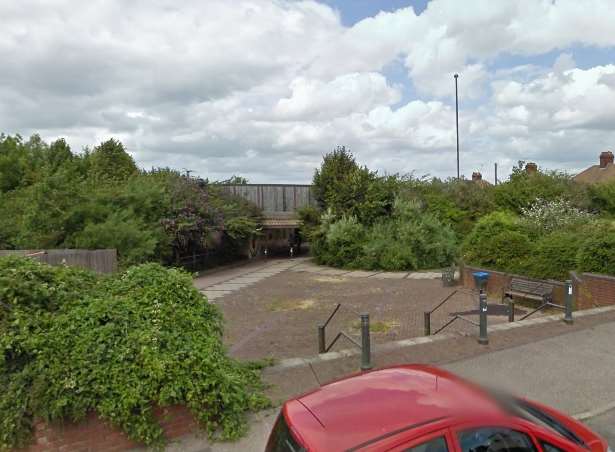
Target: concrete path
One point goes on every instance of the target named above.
(217, 285)
(311, 267)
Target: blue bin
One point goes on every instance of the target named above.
(480, 278)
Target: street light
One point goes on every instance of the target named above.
(457, 121)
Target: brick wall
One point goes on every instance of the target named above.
(93, 435)
(591, 290)
(499, 282)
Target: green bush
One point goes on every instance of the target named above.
(554, 255)
(122, 231)
(499, 241)
(71, 343)
(522, 189)
(597, 252)
(408, 240)
(603, 198)
(342, 244)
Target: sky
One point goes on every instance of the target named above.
(265, 88)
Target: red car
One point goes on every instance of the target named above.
(423, 409)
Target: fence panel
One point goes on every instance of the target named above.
(101, 261)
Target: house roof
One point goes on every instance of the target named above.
(595, 174)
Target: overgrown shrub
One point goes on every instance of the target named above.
(52, 198)
(554, 255)
(522, 189)
(597, 252)
(548, 216)
(499, 241)
(71, 343)
(603, 198)
(408, 240)
(343, 243)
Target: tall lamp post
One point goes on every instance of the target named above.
(457, 121)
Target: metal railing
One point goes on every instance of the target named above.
(482, 324)
(567, 308)
(364, 345)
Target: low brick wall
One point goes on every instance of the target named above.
(591, 290)
(92, 434)
(499, 282)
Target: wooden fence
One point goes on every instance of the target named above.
(101, 261)
(272, 198)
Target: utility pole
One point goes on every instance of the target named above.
(496, 173)
(457, 121)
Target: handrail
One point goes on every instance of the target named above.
(427, 314)
(539, 308)
(340, 334)
(448, 297)
(364, 346)
(332, 314)
(452, 320)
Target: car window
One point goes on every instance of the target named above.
(550, 447)
(495, 439)
(434, 445)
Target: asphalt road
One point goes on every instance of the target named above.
(574, 372)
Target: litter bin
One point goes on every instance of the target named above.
(480, 279)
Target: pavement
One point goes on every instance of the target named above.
(570, 367)
(219, 284)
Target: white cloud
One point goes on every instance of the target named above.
(343, 95)
(265, 87)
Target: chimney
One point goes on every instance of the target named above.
(476, 176)
(531, 168)
(606, 158)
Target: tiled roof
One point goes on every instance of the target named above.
(594, 174)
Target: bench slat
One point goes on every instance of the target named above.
(535, 290)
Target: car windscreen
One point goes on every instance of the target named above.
(537, 416)
(281, 439)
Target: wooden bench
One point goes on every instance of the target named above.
(533, 290)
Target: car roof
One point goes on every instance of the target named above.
(365, 407)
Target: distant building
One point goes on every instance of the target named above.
(477, 178)
(603, 172)
(531, 168)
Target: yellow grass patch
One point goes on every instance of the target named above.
(378, 326)
(290, 305)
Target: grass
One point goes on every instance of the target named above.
(378, 326)
(280, 305)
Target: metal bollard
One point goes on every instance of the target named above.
(511, 310)
(427, 323)
(568, 307)
(366, 352)
(321, 339)
(482, 306)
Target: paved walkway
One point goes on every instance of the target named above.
(219, 284)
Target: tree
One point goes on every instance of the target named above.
(110, 162)
(345, 188)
